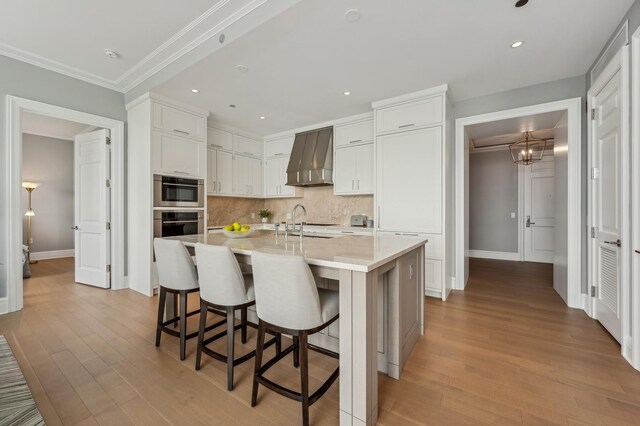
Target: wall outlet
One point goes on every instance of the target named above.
(253, 215)
(288, 216)
(513, 215)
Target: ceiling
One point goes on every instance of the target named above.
(41, 125)
(301, 61)
(70, 36)
(505, 132)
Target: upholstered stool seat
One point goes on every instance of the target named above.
(288, 301)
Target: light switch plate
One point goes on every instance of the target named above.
(253, 215)
(513, 215)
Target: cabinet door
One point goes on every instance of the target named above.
(409, 115)
(273, 177)
(364, 169)
(433, 277)
(247, 146)
(224, 173)
(344, 170)
(241, 177)
(255, 186)
(409, 181)
(285, 190)
(219, 139)
(212, 183)
(279, 147)
(179, 122)
(179, 156)
(354, 133)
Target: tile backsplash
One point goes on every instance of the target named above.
(321, 204)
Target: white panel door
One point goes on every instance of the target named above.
(212, 182)
(255, 186)
(224, 173)
(286, 190)
(606, 209)
(409, 181)
(364, 169)
(91, 209)
(539, 211)
(272, 176)
(344, 170)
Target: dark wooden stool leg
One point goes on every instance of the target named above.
(230, 346)
(203, 324)
(296, 351)
(278, 343)
(243, 320)
(258, 365)
(304, 376)
(183, 324)
(162, 299)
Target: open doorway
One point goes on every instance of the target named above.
(17, 110)
(530, 212)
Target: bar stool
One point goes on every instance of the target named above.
(288, 301)
(176, 275)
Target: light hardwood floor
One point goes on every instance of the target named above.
(505, 351)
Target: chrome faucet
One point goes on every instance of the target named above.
(293, 220)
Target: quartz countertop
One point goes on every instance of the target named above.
(361, 253)
(310, 228)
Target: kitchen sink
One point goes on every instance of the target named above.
(321, 236)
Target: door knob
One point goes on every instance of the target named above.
(614, 243)
(75, 228)
(638, 251)
(529, 223)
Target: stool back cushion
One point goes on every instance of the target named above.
(286, 293)
(175, 267)
(221, 280)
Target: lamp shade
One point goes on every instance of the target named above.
(30, 185)
(30, 212)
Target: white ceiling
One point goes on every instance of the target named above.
(504, 132)
(70, 36)
(301, 61)
(36, 124)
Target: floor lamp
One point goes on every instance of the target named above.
(29, 186)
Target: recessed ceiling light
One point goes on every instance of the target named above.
(262, 117)
(352, 15)
(242, 68)
(195, 90)
(347, 93)
(232, 106)
(521, 3)
(517, 44)
(111, 53)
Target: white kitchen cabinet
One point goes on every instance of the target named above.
(212, 179)
(353, 133)
(247, 176)
(279, 147)
(276, 179)
(224, 173)
(353, 170)
(179, 122)
(433, 277)
(246, 146)
(409, 184)
(219, 139)
(410, 115)
(176, 155)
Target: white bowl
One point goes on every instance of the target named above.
(233, 234)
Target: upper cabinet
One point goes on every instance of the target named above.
(410, 115)
(353, 158)
(353, 133)
(277, 154)
(219, 139)
(179, 122)
(246, 146)
(174, 155)
(279, 147)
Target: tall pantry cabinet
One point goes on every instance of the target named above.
(414, 180)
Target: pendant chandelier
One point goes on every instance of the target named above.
(528, 150)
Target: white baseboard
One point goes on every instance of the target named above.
(433, 293)
(497, 255)
(55, 254)
(4, 305)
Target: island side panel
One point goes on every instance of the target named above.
(358, 347)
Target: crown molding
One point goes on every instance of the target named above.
(197, 32)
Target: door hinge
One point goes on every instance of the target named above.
(108, 268)
(594, 291)
(595, 173)
(593, 232)
(108, 226)
(593, 113)
(108, 183)
(108, 141)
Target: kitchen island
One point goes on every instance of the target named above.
(381, 285)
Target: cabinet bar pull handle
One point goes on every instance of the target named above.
(279, 153)
(180, 173)
(357, 140)
(378, 218)
(406, 125)
(219, 187)
(181, 131)
(347, 232)
(248, 153)
(216, 146)
(214, 185)
(352, 184)
(614, 243)
(407, 234)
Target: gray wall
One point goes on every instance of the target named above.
(49, 162)
(560, 253)
(31, 82)
(493, 195)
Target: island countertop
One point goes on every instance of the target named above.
(351, 252)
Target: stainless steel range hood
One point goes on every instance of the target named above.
(311, 161)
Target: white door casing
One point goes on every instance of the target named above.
(91, 209)
(538, 218)
(606, 206)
